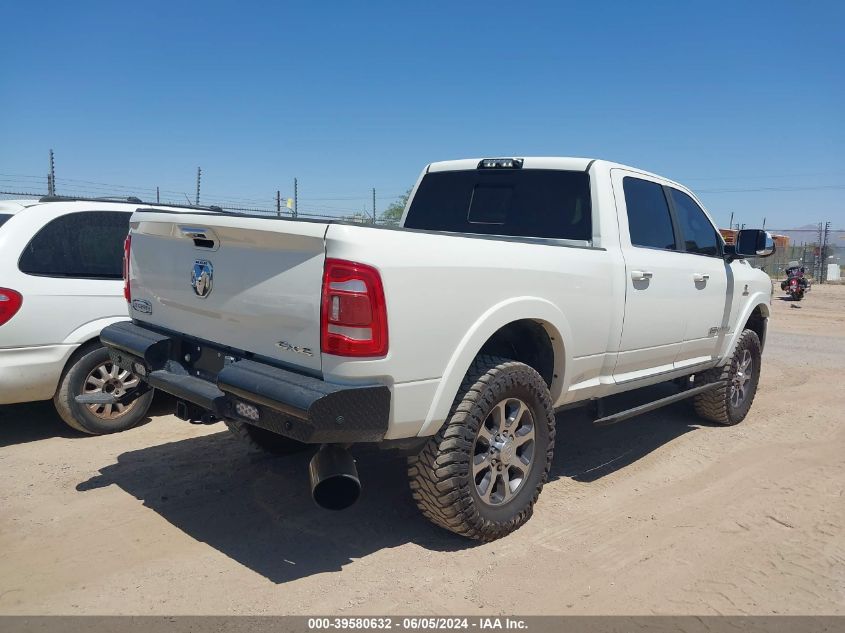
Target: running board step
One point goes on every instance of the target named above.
(651, 406)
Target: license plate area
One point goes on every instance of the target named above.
(202, 360)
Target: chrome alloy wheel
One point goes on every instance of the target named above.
(504, 452)
(109, 378)
(741, 378)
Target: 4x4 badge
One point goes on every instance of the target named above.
(202, 277)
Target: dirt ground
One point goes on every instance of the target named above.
(660, 514)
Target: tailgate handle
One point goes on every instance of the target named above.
(202, 237)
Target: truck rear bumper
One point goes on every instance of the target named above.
(230, 386)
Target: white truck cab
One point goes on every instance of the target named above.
(512, 287)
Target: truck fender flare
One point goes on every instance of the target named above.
(757, 300)
(499, 315)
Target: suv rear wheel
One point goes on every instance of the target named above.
(94, 372)
(481, 474)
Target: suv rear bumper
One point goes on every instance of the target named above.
(32, 373)
(295, 405)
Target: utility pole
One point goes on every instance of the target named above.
(199, 178)
(764, 224)
(278, 203)
(295, 198)
(374, 205)
(731, 223)
(158, 199)
(51, 178)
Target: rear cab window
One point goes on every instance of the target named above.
(82, 245)
(4, 217)
(530, 203)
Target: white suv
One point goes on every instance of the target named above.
(61, 282)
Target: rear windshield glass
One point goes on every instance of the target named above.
(545, 203)
(4, 217)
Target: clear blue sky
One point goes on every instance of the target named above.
(348, 96)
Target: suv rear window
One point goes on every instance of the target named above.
(85, 245)
(545, 203)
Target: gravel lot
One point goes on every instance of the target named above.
(659, 514)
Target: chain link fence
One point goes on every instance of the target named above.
(814, 258)
(350, 207)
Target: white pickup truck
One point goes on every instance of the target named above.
(511, 288)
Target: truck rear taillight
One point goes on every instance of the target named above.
(127, 248)
(10, 303)
(353, 321)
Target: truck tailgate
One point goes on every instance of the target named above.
(258, 281)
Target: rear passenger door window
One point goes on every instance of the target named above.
(649, 219)
(699, 235)
(83, 245)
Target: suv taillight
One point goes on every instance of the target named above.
(353, 321)
(127, 248)
(10, 303)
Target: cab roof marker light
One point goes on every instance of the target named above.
(501, 163)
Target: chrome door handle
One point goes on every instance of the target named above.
(641, 275)
(700, 276)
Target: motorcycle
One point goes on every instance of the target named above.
(795, 284)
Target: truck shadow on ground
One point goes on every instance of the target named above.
(258, 510)
(586, 453)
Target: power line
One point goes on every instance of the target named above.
(357, 198)
(766, 177)
(813, 230)
(785, 188)
(28, 194)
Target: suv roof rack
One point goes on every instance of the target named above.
(128, 200)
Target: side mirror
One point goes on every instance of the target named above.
(753, 243)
